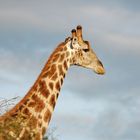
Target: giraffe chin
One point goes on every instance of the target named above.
(100, 71)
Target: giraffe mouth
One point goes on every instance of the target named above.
(99, 69)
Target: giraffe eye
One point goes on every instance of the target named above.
(85, 50)
(74, 39)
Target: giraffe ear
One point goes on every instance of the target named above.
(67, 39)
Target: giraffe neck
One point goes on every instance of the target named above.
(37, 106)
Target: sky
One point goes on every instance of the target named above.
(90, 106)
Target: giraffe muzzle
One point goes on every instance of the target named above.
(99, 68)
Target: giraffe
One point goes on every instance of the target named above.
(29, 119)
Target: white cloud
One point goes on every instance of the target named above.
(103, 118)
(107, 105)
(124, 43)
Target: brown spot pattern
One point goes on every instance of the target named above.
(57, 95)
(34, 88)
(32, 104)
(51, 85)
(57, 86)
(42, 85)
(52, 101)
(26, 112)
(55, 58)
(43, 131)
(64, 75)
(26, 101)
(65, 65)
(14, 114)
(49, 72)
(65, 49)
(47, 116)
(21, 107)
(67, 54)
(52, 70)
(60, 70)
(33, 122)
(39, 104)
(26, 136)
(43, 89)
(37, 137)
(40, 124)
(40, 117)
(45, 74)
(61, 57)
(54, 77)
(45, 93)
(34, 97)
(61, 81)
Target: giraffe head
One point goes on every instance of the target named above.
(82, 53)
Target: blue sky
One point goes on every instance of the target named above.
(94, 107)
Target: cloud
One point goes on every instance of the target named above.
(117, 121)
(103, 118)
(107, 106)
(114, 41)
(120, 24)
